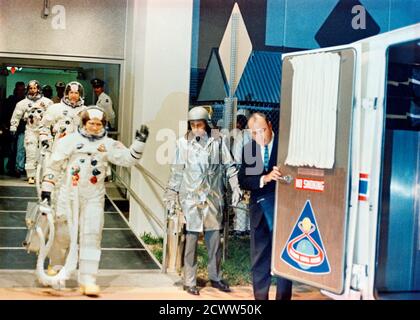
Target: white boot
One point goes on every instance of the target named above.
(90, 290)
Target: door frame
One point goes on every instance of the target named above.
(375, 256)
(120, 62)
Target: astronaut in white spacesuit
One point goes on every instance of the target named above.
(86, 154)
(63, 118)
(30, 110)
(60, 120)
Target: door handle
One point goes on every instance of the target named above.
(286, 179)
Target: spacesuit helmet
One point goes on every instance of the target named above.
(93, 121)
(93, 112)
(74, 86)
(30, 85)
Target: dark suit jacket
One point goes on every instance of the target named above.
(250, 173)
(252, 169)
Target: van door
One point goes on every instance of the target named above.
(318, 117)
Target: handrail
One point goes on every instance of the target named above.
(148, 174)
(139, 201)
(148, 211)
(135, 234)
(151, 176)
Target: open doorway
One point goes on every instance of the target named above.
(48, 72)
(23, 68)
(398, 249)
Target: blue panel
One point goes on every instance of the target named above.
(275, 23)
(404, 13)
(398, 258)
(339, 28)
(294, 23)
(379, 10)
(363, 186)
(303, 20)
(261, 79)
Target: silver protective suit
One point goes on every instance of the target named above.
(86, 161)
(197, 178)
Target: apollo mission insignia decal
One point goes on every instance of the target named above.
(304, 250)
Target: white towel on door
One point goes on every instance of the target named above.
(314, 110)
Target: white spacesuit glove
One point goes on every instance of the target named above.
(143, 133)
(236, 191)
(44, 141)
(139, 143)
(46, 197)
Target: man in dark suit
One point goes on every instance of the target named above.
(259, 173)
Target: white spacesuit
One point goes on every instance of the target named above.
(86, 157)
(33, 123)
(59, 120)
(63, 118)
(31, 110)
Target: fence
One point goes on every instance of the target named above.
(271, 111)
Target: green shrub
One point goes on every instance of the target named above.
(155, 245)
(236, 268)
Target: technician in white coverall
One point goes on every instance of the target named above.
(86, 154)
(30, 109)
(63, 118)
(241, 137)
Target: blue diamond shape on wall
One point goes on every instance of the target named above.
(343, 25)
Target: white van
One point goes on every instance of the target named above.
(349, 223)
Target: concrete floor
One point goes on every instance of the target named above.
(146, 286)
(124, 284)
(136, 293)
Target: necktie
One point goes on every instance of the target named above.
(266, 157)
